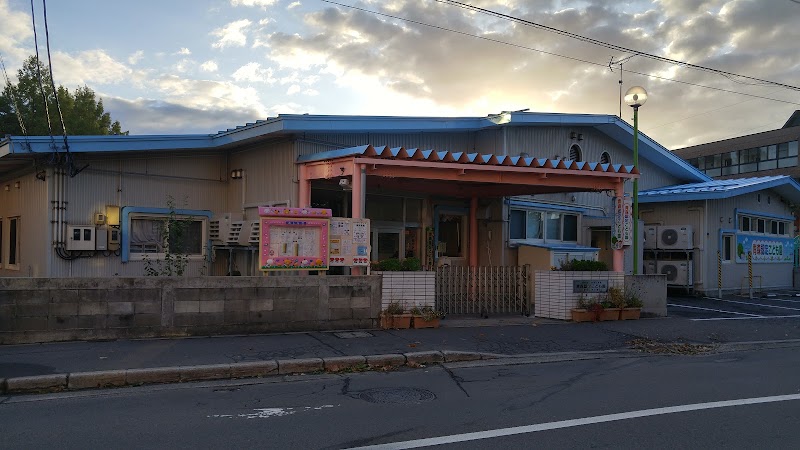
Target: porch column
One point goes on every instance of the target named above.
(357, 203)
(473, 231)
(619, 253)
(304, 191)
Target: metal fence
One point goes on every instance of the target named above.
(483, 290)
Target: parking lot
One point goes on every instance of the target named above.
(779, 304)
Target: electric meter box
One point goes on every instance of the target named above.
(81, 237)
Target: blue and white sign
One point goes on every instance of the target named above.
(764, 249)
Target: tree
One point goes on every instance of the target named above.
(83, 113)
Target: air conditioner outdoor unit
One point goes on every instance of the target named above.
(650, 237)
(650, 267)
(678, 272)
(255, 231)
(227, 230)
(675, 237)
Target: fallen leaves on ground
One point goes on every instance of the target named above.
(678, 348)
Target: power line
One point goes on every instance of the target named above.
(617, 47)
(497, 41)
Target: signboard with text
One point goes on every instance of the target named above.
(622, 228)
(293, 238)
(764, 249)
(349, 242)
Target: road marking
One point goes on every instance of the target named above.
(715, 310)
(760, 304)
(793, 316)
(500, 432)
(266, 413)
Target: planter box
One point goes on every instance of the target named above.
(583, 315)
(554, 294)
(630, 313)
(396, 321)
(610, 314)
(410, 289)
(419, 322)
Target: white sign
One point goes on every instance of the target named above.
(622, 228)
(349, 242)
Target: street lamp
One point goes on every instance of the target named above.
(635, 97)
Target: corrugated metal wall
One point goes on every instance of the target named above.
(196, 181)
(721, 215)
(29, 202)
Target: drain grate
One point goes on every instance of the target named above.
(402, 395)
(352, 334)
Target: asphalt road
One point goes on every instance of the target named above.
(527, 403)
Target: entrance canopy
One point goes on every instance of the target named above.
(458, 174)
(461, 174)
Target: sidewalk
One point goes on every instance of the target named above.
(503, 336)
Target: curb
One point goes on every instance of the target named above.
(254, 369)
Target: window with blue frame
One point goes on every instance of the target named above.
(543, 225)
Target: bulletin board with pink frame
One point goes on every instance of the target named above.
(293, 238)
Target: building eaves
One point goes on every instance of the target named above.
(786, 186)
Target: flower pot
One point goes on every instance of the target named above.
(630, 313)
(420, 322)
(610, 314)
(583, 315)
(396, 321)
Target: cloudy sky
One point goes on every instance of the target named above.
(200, 66)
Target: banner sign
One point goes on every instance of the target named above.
(764, 249)
(622, 229)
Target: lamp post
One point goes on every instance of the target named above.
(635, 97)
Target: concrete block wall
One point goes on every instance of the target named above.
(59, 309)
(652, 290)
(553, 294)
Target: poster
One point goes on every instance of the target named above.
(622, 228)
(764, 249)
(293, 238)
(349, 242)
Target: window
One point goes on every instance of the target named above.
(782, 228)
(745, 226)
(575, 153)
(552, 226)
(159, 234)
(13, 243)
(773, 226)
(570, 228)
(605, 158)
(762, 226)
(727, 247)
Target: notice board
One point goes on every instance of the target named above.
(293, 238)
(349, 242)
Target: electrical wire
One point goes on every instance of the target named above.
(604, 65)
(52, 80)
(729, 75)
(53, 146)
(13, 99)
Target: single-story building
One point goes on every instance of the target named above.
(471, 191)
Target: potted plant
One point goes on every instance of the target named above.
(426, 317)
(587, 310)
(395, 316)
(632, 308)
(610, 310)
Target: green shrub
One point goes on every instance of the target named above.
(394, 308)
(412, 264)
(632, 300)
(390, 265)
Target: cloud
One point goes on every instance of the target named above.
(361, 51)
(134, 58)
(151, 116)
(16, 31)
(252, 72)
(261, 3)
(184, 51)
(209, 66)
(232, 34)
(292, 5)
(209, 94)
(90, 68)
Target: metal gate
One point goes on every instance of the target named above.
(483, 290)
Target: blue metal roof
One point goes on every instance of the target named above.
(558, 246)
(784, 185)
(612, 126)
